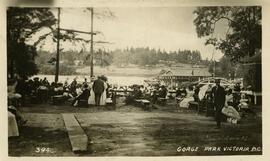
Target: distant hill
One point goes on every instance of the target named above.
(139, 71)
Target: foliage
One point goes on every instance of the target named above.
(50, 69)
(22, 24)
(243, 35)
(136, 56)
(224, 68)
(252, 75)
(147, 56)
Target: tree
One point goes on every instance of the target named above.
(22, 24)
(244, 31)
(224, 68)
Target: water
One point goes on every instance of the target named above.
(118, 80)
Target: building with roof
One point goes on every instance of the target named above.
(175, 76)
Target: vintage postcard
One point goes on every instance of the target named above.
(135, 79)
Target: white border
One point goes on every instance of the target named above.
(139, 3)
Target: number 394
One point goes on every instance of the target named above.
(44, 150)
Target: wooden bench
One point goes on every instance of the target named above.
(83, 103)
(194, 105)
(77, 136)
(137, 102)
(162, 101)
(109, 101)
(145, 104)
(58, 99)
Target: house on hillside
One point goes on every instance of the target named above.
(175, 77)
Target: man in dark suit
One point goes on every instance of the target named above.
(98, 88)
(218, 93)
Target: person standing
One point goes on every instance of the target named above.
(72, 87)
(103, 95)
(98, 88)
(218, 94)
(91, 99)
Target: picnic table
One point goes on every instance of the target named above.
(145, 104)
(58, 99)
(162, 101)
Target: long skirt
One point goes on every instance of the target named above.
(103, 99)
(185, 102)
(231, 112)
(91, 99)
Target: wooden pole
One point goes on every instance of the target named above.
(57, 52)
(91, 49)
(83, 32)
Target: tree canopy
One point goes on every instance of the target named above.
(244, 30)
(146, 56)
(22, 24)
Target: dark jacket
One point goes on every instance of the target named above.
(218, 94)
(85, 94)
(98, 86)
(163, 93)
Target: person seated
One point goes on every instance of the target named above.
(51, 91)
(249, 93)
(180, 92)
(237, 87)
(45, 82)
(154, 95)
(232, 114)
(135, 94)
(84, 95)
(244, 107)
(73, 86)
(229, 97)
(189, 97)
(12, 94)
(36, 83)
(196, 94)
(66, 91)
(19, 117)
(236, 93)
(59, 89)
(163, 92)
(228, 110)
(42, 93)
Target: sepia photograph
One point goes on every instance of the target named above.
(134, 81)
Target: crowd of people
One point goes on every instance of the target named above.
(38, 90)
(229, 101)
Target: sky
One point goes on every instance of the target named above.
(165, 28)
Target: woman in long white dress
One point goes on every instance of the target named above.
(189, 97)
(229, 111)
(91, 99)
(103, 95)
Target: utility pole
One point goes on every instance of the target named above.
(91, 49)
(213, 61)
(57, 52)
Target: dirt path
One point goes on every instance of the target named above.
(129, 131)
(157, 134)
